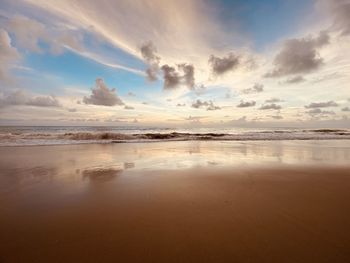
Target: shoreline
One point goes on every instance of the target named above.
(105, 142)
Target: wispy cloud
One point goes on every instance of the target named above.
(8, 55)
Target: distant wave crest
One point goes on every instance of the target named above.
(42, 138)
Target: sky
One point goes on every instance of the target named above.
(175, 63)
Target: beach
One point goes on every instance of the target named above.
(189, 201)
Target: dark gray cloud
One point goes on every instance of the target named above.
(188, 74)
(321, 104)
(273, 100)
(172, 78)
(276, 117)
(223, 65)
(245, 104)
(257, 88)
(299, 56)
(271, 106)
(295, 80)
(317, 111)
(205, 104)
(128, 107)
(21, 98)
(184, 75)
(148, 52)
(346, 109)
(102, 95)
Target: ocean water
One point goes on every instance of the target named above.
(55, 135)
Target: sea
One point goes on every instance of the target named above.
(56, 135)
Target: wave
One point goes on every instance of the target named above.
(42, 138)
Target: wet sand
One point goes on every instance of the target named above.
(176, 202)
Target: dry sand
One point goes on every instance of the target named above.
(58, 205)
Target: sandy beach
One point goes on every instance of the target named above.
(176, 202)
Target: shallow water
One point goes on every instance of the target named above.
(189, 201)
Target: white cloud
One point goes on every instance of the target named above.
(8, 55)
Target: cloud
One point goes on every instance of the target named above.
(276, 117)
(72, 109)
(206, 104)
(178, 27)
(188, 77)
(220, 66)
(257, 88)
(340, 10)
(195, 119)
(180, 105)
(346, 109)
(321, 104)
(173, 78)
(295, 80)
(44, 101)
(29, 33)
(318, 111)
(273, 100)
(246, 104)
(15, 98)
(8, 54)
(131, 94)
(19, 97)
(271, 106)
(242, 121)
(299, 56)
(128, 107)
(200, 90)
(102, 95)
(148, 52)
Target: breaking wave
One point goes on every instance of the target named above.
(50, 138)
